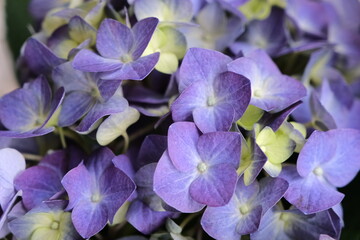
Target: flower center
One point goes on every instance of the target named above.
(318, 171)
(244, 209)
(201, 167)
(257, 93)
(126, 58)
(54, 225)
(211, 101)
(95, 198)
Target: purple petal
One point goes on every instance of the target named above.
(11, 164)
(114, 39)
(66, 76)
(214, 118)
(271, 91)
(38, 183)
(80, 30)
(143, 31)
(233, 89)
(89, 219)
(28, 134)
(144, 182)
(220, 222)
(247, 194)
(220, 147)
(322, 118)
(107, 89)
(75, 106)
(195, 95)
(99, 161)
(334, 152)
(271, 191)
(144, 219)
(136, 70)
(115, 187)
(182, 140)
(39, 58)
(115, 104)
(89, 61)
(141, 94)
(201, 64)
(215, 186)
(274, 120)
(41, 89)
(151, 149)
(309, 194)
(123, 163)
(250, 222)
(22, 117)
(78, 184)
(173, 186)
(258, 161)
(55, 104)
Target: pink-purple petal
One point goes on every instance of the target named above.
(75, 105)
(309, 194)
(195, 95)
(220, 147)
(215, 186)
(173, 186)
(182, 140)
(220, 222)
(201, 64)
(114, 39)
(144, 219)
(143, 31)
(214, 118)
(334, 152)
(134, 70)
(115, 104)
(89, 61)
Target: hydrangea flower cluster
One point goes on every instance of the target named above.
(139, 117)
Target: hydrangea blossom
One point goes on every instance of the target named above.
(328, 160)
(243, 213)
(97, 97)
(96, 189)
(48, 220)
(211, 96)
(231, 91)
(120, 51)
(197, 170)
(29, 120)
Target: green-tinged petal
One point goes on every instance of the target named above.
(277, 146)
(172, 46)
(246, 155)
(279, 3)
(120, 215)
(250, 117)
(168, 63)
(52, 22)
(273, 169)
(75, 3)
(42, 223)
(63, 48)
(79, 31)
(256, 9)
(45, 234)
(298, 135)
(116, 125)
(96, 15)
(175, 42)
(53, 121)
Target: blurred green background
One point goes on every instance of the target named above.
(18, 22)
